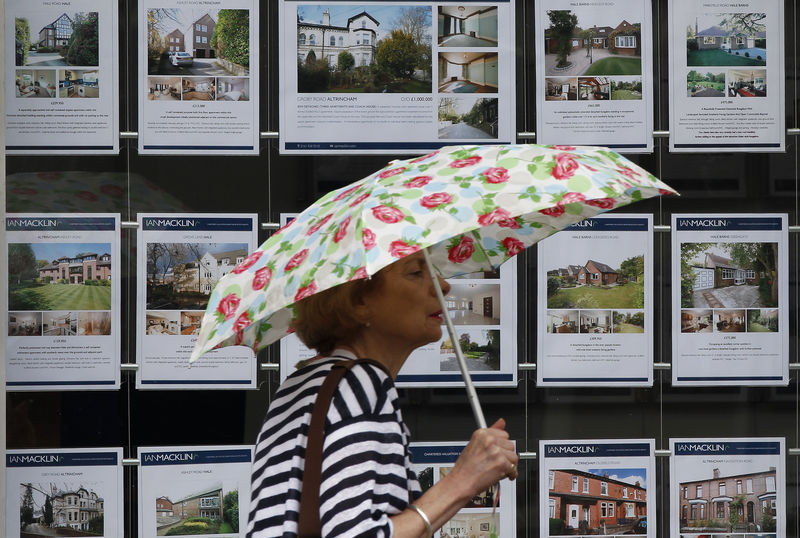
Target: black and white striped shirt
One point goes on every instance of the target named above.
(366, 468)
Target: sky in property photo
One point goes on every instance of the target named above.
(629, 476)
(40, 18)
(691, 468)
(53, 251)
(386, 15)
(707, 20)
(589, 17)
(176, 490)
(610, 250)
(212, 248)
(184, 18)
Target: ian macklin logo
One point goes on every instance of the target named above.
(169, 456)
(170, 223)
(701, 447)
(34, 458)
(588, 223)
(703, 223)
(570, 449)
(31, 223)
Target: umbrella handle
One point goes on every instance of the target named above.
(472, 396)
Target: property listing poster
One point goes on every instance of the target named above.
(400, 77)
(63, 301)
(595, 73)
(194, 490)
(483, 307)
(728, 487)
(727, 73)
(605, 487)
(64, 492)
(198, 77)
(62, 72)
(730, 323)
(595, 307)
(433, 461)
(182, 257)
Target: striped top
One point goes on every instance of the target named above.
(366, 468)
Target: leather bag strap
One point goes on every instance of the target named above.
(309, 525)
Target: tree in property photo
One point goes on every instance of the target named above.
(688, 253)
(562, 26)
(26, 507)
(736, 508)
(22, 264)
(749, 23)
(22, 40)
(84, 45)
(760, 257)
(588, 42)
(345, 61)
(159, 21)
(632, 268)
(48, 511)
(230, 509)
(416, 21)
(398, 55)
(231, 36)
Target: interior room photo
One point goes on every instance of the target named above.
(468, 72)
(35, 83)
(78, 83)
(467, 26)
(197, 89)
(232, 89)
(164, 88)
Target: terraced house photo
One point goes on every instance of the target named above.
(59, 276)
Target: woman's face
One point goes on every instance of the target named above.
(404, 310)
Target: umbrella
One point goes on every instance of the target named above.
(469, 207)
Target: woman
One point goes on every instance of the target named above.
(367, 487)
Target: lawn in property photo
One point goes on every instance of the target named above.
(627, 328)
(615, 65)
(718, 57)
(61, 297)
(625, 95)
(629, 295)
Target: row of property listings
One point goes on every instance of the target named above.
(732, 487)
(594, 305)
(402, 77)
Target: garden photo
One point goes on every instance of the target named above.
(56, 38)
(708, 83)
(182, 275)
(364, 49)
(576, 43)
(467, 26)
(59, 276)
(481, 349)
(193, 507)
(762, 320)
(626, 89)
(729, 275)
(722, 39)
(628, 321)
(466, 118)
(60, 508)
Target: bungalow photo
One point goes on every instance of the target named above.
(466, 118)
(762, 320)
(474, 304)
(592, 43)
(364, 49)
(725, 39)
(197, 507)
(615, 280)
(182, 275)
(53, 37)
(78, 83)
(481, 349)
(24, 324)
(468, 72)
(729, 275)
(61, 508)
(561, 89)
(706, 83)
(467, 26)
(604, 501)
(59, 276)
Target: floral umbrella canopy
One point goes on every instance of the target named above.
(475, 206)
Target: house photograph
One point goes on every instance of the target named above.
(78, 83)
(466, 118)
(468, 72)
(94, 323)
(59, 276)
(595, 500)
(561, 89)
(364, 49)
(562, 321)
(481, 349)
(197, 507)
(762, 320)
(182, 275)
(35, 83)
(24, 324)
(729, 275)
(51, 37)
(747, 83)
(697, 320)
(578, 42)
(474, 304)
(61, 509)
(467, 26)
(725, 39)
(59, 323)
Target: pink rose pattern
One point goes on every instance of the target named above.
(391, 208)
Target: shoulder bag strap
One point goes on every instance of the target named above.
(309, 525)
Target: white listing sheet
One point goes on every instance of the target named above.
(605, 487)
(184, 489)
(726, 68)
(595, 307)
(64, 492)
(433, 461)
(594, 64)
(399, 77)
(63, 301)
(182, 259)
(62, 72)
(730, 304)
(728, 487)
(483, 307)
(198, 77)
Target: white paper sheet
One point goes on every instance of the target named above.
(595, 308)
(726, 69)
(186, 487)
(600, 95)
(198, 79)
(605, 487)
(64, 492)
(730, 300)
(64, 301)
(728, 486)
(349, 86)
(63, 59)
(182, 257)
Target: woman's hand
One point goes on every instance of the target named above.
(488, 458)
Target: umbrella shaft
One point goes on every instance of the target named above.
(472, 396)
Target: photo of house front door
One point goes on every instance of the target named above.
(573, 515)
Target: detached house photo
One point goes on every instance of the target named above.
(596, 284)
(197, 507)
(56, 38)
(727, 39)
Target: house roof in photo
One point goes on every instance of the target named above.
(603, 268)
(232, 254)
(601, 31)
(362, 14)
(214, 488)
(719, 261)
(713, 31)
